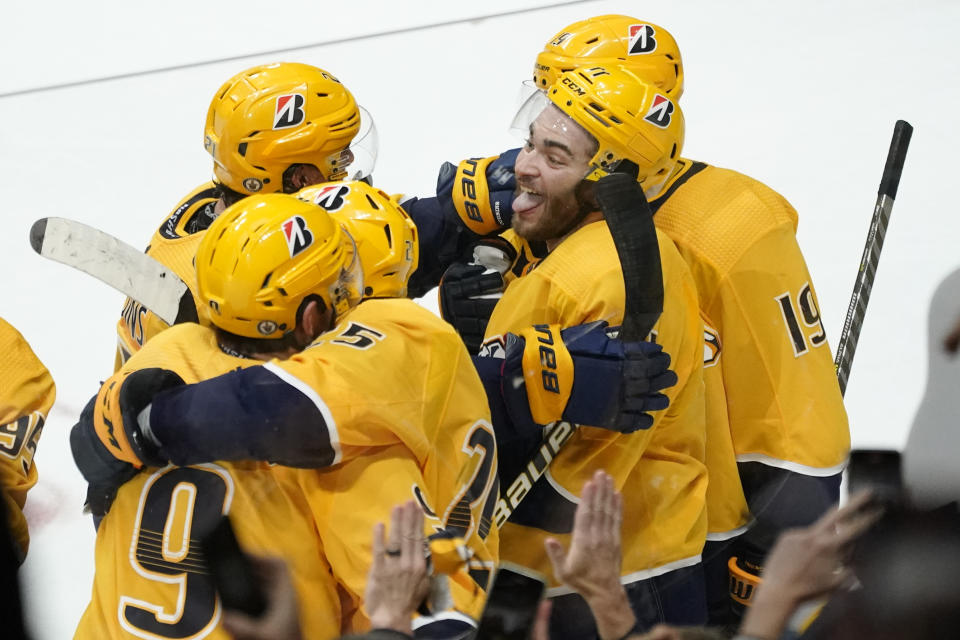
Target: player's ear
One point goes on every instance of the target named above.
(314, 320)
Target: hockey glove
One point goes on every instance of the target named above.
(583, 375)
(103, 473)
(479, 192)
(470, 291)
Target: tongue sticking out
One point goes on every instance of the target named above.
(526, 201)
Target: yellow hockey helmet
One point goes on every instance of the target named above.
(644, 48)
(385, 235)
(629, 118)
(271, 116)
(264, 255)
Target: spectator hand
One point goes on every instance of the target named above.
(591, 566)
(807, 563)
(398, 580)
(281, 620)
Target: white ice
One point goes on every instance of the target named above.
(800, 95)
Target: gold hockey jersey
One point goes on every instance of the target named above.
(660, 471)
(149, 580)
(779, 390)
(174, 244)
(27, 394)
(412, 422)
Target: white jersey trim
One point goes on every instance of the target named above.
(559, 488)
(421, 621)
(819, 472)
(322, 407)
(637, 576)
(720, 536)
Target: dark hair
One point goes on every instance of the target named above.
(248, 347)
(287, 178)
(228, 195)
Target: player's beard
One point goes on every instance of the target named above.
(558, 216)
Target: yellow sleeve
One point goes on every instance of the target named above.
(776, 361)
(28, 393)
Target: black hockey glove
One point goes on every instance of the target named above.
(470, 291)
(108, 443)
(585, 376)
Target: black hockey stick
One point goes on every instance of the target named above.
(630, 222)
(871, 251)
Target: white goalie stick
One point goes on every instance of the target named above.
(115, 263)
(631, 224)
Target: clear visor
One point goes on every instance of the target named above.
(550, 119)
(356, 162)
(527, 89)
(347, 291)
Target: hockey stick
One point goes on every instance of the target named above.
(630, 222)
(115, 263)
(871, 251)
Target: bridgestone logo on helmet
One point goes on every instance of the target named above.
(642, 39)
(289, 111)
(659, 113)
(332, 198)
(297, 234)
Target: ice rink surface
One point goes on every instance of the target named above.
(801, 96)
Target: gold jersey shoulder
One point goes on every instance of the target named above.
(407, 405)
(148, 581)
(782, 400)
(174, 244)
(27, 394)
(581, 281)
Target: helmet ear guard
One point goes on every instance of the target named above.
(385, 236)
(648, 50)
(264, 255)
(269, 117)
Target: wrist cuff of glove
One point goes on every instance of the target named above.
(471, 196)
(547, 372)
(744, 580)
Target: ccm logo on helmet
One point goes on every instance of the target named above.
(574, 86)
(642, 39)
(289, 111)
(297, 234)
(659, 113)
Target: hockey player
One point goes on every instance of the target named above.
(385, 390)
(271, 128)
(149, 579)
(769, 377)
(28, 393)
(584, 125)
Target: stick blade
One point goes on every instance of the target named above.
(111, 261)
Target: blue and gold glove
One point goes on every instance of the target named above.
(479, 192)
(583, 375)
(108, 443)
